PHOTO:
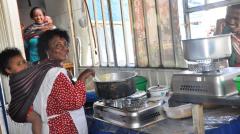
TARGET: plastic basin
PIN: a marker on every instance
(237, 83)
(141, 83)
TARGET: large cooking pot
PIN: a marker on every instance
(115, 85)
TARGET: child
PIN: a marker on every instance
(41, 23)
(31, 33)
(12, 62)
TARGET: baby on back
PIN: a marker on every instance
(12, 63)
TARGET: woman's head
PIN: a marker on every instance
(233, 18)
(37, 15)
(12, 61)
(53, 44)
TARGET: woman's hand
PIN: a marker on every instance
(85, 74)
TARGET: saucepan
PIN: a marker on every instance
(115, 85)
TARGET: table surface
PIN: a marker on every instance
(214, 117)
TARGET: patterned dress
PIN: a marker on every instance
(61, 107)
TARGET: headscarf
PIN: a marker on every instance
(24, 87)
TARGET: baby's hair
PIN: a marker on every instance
(33, 10)
(5, 56)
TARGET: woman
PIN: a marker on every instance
(232, 25)
(48, 87)
(59, 102)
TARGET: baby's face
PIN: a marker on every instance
(48, 20)
(38, 16)
(16, 64)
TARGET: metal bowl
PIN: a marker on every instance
(216, 47)
(115, 85)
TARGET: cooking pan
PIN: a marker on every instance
(115, 85)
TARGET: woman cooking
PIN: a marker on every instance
(48, 87)
(59, 102)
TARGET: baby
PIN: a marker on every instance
(12, 62)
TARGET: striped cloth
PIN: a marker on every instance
(24, 87)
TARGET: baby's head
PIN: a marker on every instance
(12, 61)
(37, 15)
(48, 20)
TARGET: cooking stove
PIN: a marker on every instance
(208, 76)
(134, 111)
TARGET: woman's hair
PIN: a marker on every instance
(5, 56)
(33, 10)
(46, 37)
(237, 6)
(232, 7)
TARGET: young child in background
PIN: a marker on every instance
(12, 62)
(32, 32)
(41, 23)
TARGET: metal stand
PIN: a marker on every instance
(3, 109)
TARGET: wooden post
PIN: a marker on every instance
(198, 119)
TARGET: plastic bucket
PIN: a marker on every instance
(237, 83)
(141, 83)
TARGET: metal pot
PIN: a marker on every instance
(115, 85)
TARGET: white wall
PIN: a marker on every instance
(81, 29)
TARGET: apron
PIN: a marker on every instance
(40, 103)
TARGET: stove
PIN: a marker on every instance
(208, 75)
(134, 111)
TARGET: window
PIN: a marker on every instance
(111, 22)
(199, 17)
(133, 33)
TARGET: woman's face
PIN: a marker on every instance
(58, 49)
(38, 16)
(233, 20)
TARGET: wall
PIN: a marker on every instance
(81, 30)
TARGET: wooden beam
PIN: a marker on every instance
(153, 44)
(179, 58)
(198, 119)
(139, 32)
(165, 33)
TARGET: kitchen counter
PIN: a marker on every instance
(214, 118)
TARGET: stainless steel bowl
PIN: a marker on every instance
(216, 47)
(115, 85)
